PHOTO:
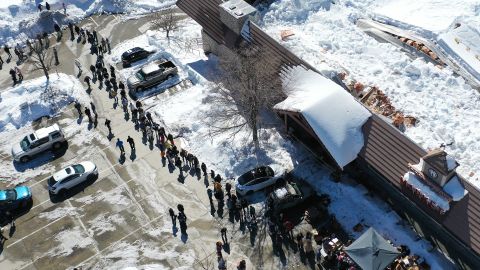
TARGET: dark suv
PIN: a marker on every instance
(133, 55)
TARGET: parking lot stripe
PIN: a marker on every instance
(121, 239)
(85, 229)
(94, 21)
(32, 233)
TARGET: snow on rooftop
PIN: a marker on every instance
(427, 191)
(451, 163)
(432, 15)
(455, 188)
(446, 106)
(463, 44)
(335, 116)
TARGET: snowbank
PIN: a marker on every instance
(23, 103)
(21, 17)
(334, 115)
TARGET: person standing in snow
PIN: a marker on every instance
(204, 168)
(39, 7)
(173, 217)
(87, 81)
(108, 46)
(1, 62)
(228, 188)
(107, 124)
(242, 265)
(95, 36)
(14, 76)
(88, 114)
(223, 232)
(47, 5)
(119, 144)
(182, 219)
(19, 74)
(64, 9)
(131, 142)
(219, 246)
(79, 108)
(7, 50)
(72, 35)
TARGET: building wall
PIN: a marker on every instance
(424, 225)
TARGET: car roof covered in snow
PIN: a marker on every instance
(150, 68)
(333, 114)
(44, 132)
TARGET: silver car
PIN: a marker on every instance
(71, 176)
(41, 140)
(151, 75)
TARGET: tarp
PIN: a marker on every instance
(371, 251)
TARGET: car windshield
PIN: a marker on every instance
(263, 171)
(140, 75)
(25, 143)
(11, 194)
(78, 168)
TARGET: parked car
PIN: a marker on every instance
(41, 140)
(151, 75)
(290, 194)
(11, 199)
(256, 179)
(71, 176)
(134, 55)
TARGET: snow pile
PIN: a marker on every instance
(21, 104)
(19, 18)
(334, 115)
(446, 107)
(427, 191)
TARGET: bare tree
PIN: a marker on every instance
(41, 58)
(165, 20)
(247, 86)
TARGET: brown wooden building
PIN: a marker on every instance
(386, 154)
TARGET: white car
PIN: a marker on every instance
(71, 176)
(256, 179)
(41, 140)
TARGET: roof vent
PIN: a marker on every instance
(232, 7)
(238, 13)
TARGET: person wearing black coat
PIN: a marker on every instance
(14, 76)
(204, 168)
(47, 5)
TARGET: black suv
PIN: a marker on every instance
(133, 55)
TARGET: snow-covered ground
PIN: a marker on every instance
(184, 112)
(28, 101)
(20, 18)
(447, 108)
